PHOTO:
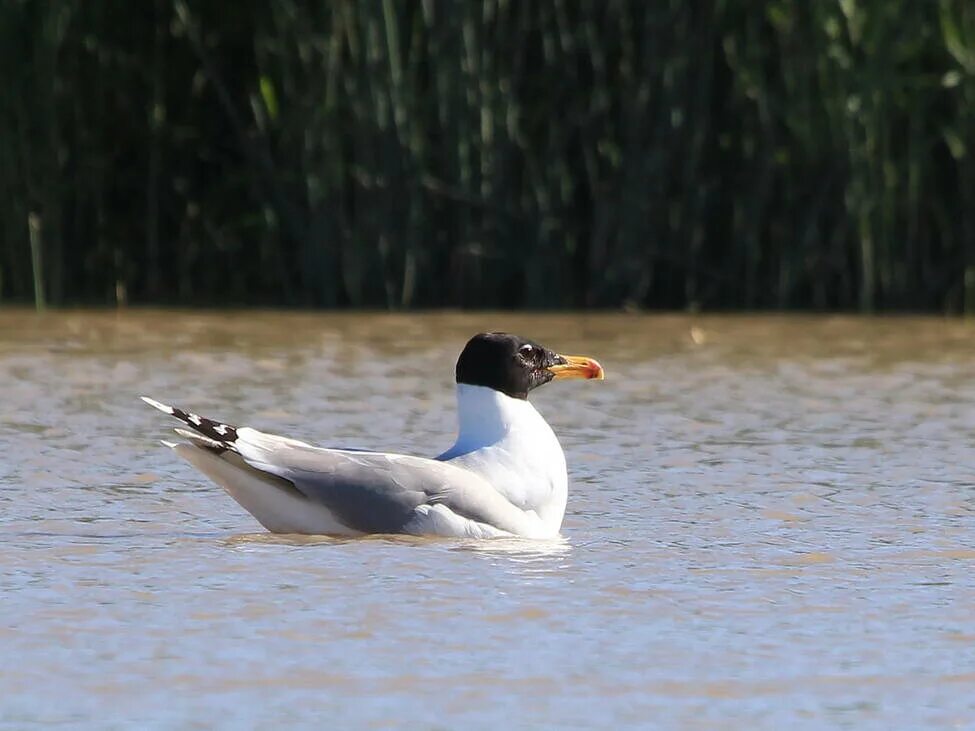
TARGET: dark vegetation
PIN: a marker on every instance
(496, 153)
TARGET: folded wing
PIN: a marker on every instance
(377, 492)
(292, 487)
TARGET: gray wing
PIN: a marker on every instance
(368, 492)
(374, 492)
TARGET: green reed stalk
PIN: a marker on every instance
(37, 260)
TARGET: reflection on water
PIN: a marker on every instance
(524, 559)
(281, 539)
(770, 524)
(520, 550)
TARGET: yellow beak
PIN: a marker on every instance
(577, 366)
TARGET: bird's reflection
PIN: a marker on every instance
(525, 558)
(519, 549)
(298, 539)
(541, 554)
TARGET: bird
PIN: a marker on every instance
(504, 476)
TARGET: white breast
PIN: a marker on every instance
(506, 441)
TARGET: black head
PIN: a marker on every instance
(506, 363)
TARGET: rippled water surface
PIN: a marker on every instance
(771, 525)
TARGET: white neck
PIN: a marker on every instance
(486, 416)
(509, 443)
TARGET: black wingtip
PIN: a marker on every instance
(214, 430)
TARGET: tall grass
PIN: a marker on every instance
(558, 153)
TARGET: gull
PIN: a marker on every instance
(505, 476)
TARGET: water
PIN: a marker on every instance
(771, 524)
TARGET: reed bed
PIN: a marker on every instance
(545, 154)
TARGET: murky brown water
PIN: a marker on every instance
(771, 524)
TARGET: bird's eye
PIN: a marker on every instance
(527, 349)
